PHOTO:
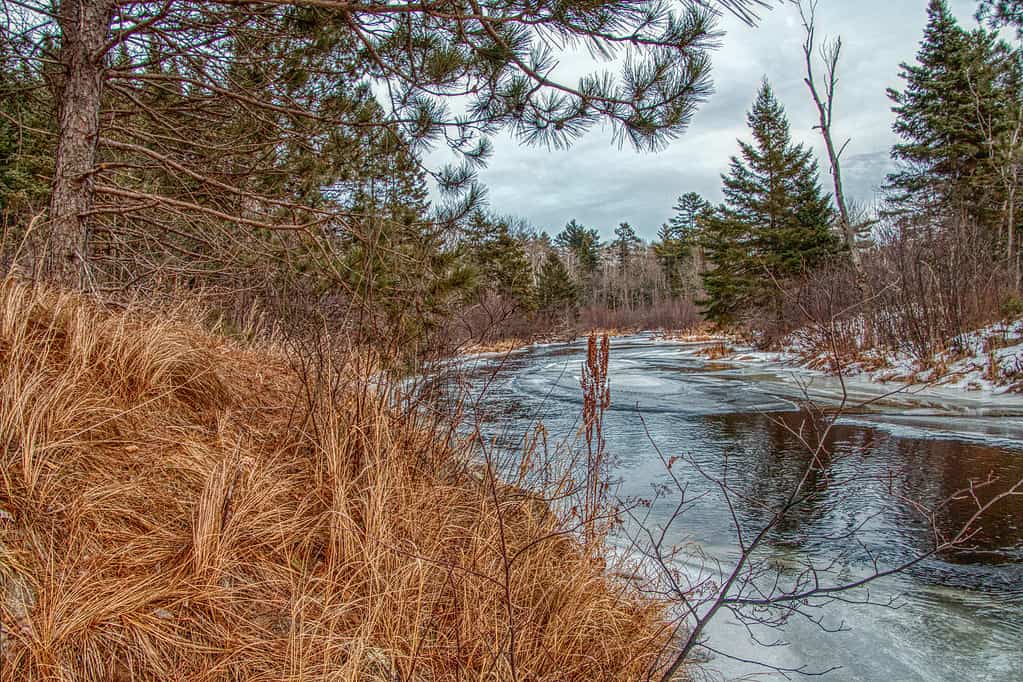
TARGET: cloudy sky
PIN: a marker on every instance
(601, 185)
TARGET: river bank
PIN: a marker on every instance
(986, 361)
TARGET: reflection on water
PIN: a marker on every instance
(962, 613)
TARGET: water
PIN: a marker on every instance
(959, 615)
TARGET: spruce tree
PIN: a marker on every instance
(946, 114)
(556, 293)
(999, 13)
(775, 222)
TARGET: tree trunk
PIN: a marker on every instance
(825, 102)
(84, 26)
(1013, 249)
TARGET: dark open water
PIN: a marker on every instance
(961, 614)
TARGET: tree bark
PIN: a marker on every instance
(84, 27)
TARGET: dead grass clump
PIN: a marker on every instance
(174, 506)
(500, 346)
(716, 351)
(703, 332)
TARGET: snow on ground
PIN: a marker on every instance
(989, 360)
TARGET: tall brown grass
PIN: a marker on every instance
(175, 505)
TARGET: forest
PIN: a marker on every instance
(247, 151)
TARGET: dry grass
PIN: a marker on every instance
(702, 332)
(499, 346)
(613, 331)
(716, 351)
(178, 507)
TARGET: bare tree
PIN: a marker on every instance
(1002, 132)
(823, 96)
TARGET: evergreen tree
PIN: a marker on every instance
(556, 292)
(624, 244)
(999, 13)
(584, 244)
(677, 240)
(26, 150)
(775, 222)
(621, 291)
(500, 262)
(946, 114)
(688, 211)
(673, 256)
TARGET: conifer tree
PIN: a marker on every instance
(677, 241)
(625, 244)
(620, 291)
(999, 13)
(688, 211)
(556, 293)
(25, 151)
(672, 254)
(583, 244)
(951, 104)
(500, 261)
(775, 222)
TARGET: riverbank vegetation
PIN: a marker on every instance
(940, 260)
(185, 503)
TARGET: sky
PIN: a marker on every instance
(600, 185)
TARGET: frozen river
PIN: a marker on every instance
(960, 615)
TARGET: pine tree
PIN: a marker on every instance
(775, 222)
(677, 241)
(620, 290)
(25, 148)
(500, 261)
(625, 244)
(688, 211)
(584, 244)
(673, 255)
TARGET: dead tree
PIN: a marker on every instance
(824, 100)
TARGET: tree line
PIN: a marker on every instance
(277, 146)
(276, 149)
(940, 254)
